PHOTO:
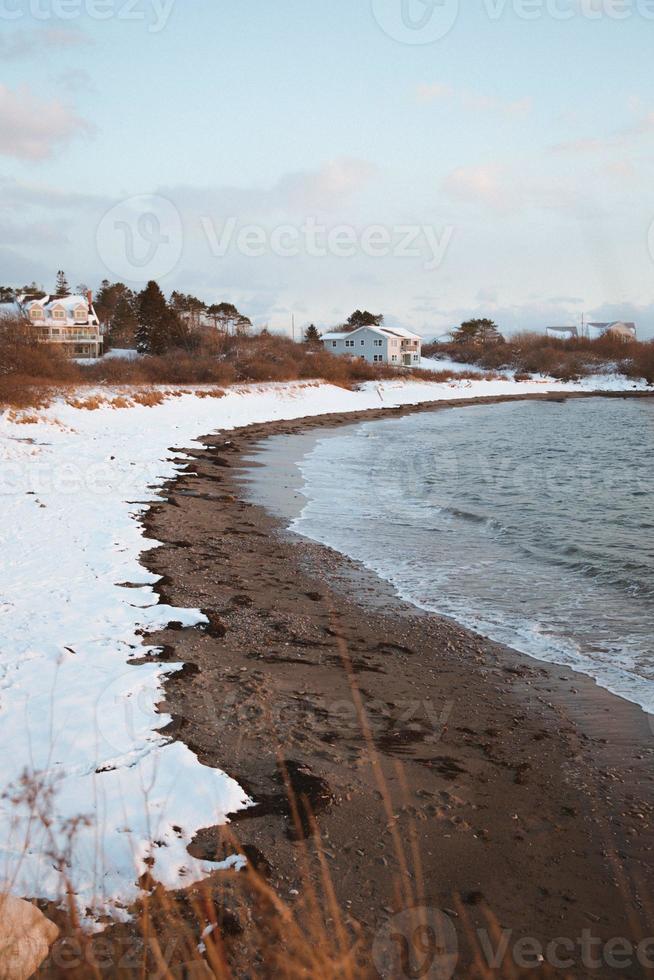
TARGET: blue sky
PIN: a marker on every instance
(489, 158)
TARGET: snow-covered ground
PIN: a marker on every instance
(72, 707)
(447, 364)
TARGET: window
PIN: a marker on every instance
(394, 357)
(36, 313)
(362, 343)
(334, 343)
(58, 315)
(378, 357)
(349, 343)
(81, 315)
(379, 343)
(416, 357)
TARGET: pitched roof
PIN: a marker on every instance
(69, 303)
(382, 331)
(10, 309)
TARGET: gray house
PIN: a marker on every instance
(377, 345)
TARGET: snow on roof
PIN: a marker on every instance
(602, 328)
(401, 332)
(10, 309)
(382, 331)
(69, 302)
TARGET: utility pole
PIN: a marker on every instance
(293, 327)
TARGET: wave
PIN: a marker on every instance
(565, 574)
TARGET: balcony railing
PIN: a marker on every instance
(70, 337)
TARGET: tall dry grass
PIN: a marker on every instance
(32, 373)
(567, 360)
(235, 925)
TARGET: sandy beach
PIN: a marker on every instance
(484, 784)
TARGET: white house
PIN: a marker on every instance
(67, 320)
(618, 328)
(562, 333)
(377, 345)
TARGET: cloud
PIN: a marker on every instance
(482, 185)
(76, 80)
(19, 270)
(329, 188)
(18, 195)
(20, 45)
(37, 233)
(473, 101)
(437, 90)
(504, 190)
(618, 139)
(31, 129)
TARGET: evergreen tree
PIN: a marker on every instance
(227, 319)
(479, 332)
(362, 318)
(190, 307)
(153, 316)
(115, 305)
(61, 287)
(124, 323)
(312, 335)
(159, 326)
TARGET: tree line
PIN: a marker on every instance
(145, 319)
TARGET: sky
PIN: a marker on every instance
(430, 160)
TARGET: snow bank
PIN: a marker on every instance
(72, 707)
(447, 364)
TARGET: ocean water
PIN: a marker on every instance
(530, 522)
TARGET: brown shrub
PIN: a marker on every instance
(640, 362)
(529, 353)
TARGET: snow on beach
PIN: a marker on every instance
(72, 707)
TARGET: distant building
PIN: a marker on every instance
(562, 333)
(618, 328)
(70, 321)
(377, 345)
(197, 319)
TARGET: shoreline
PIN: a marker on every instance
(273, 479)
(534, 782)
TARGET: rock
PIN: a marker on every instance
(25, 938)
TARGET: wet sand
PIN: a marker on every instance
(484, 783)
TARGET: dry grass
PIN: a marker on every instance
(527, 354)
(235, 925)
(32, 374)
